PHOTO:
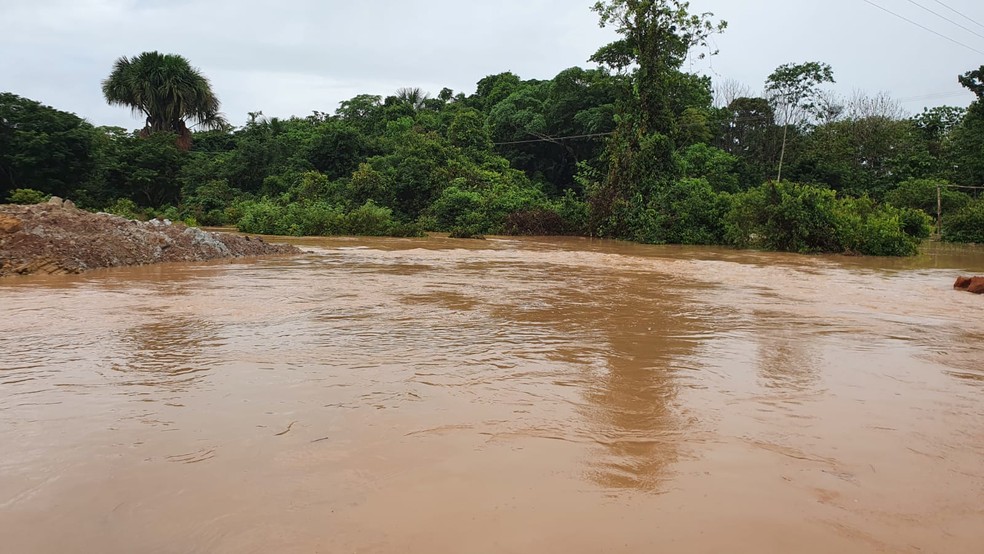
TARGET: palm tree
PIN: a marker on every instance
(413, 97)
(168, 91)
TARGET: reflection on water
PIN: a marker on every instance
(436, 395)
(631, 406)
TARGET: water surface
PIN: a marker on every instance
(530, 395)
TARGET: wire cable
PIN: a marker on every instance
(921, 26)
(958, 13)
(963, 187)
(934, 96)
(553, 139)
(969, 30)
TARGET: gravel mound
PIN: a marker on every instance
(57, 238)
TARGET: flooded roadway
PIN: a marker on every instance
(533, 395)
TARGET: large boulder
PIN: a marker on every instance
(970, 284)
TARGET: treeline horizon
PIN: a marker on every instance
(635, 149)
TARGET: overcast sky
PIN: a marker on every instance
(291, 57)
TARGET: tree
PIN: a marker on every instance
(793, 90)
(968, 137)
(748, 131)
(493, 89)
(729, 90)
(147, 169)
(868, 155)
(43, 148)
(168, 91)
(974, 82)
(414, 97)
(656, 38)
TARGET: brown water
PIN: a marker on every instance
(533, 395)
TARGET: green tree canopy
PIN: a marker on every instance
(167, 90)
(793, 90)
(43, 148)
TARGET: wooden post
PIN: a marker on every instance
(939, 209)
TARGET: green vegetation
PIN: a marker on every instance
(165, 89)
(27, 196)
(635, 149)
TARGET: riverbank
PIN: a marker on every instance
(57, 238)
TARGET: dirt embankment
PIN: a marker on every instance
(58, 238)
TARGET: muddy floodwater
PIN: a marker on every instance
(529, 395)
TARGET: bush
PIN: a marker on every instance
(456, 207)
(685, 211)
(501, 201)
(804, 218)
(124, 207)
(575, 212)
(916, 223)
(369, 220)
(309, 218)
(209, 203)
(784, 216)
(920, 194)
(27, 196)
(535, 222)
(967, 225)
(868, 229)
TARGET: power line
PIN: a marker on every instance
(933, 96)
(963, 187)
(958, 13)
(921, 26)
(553, 139)
(969, 30)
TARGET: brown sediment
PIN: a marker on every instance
(56, 238)
(508, 395)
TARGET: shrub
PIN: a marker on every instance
(694, 212)
(784, 216)
(967, 225)
(866, 228)
(262, 217)
(456, 207)
(310, 218)
(502, 200)
(920, 194)
(575, 212)
(537, 221)
(465, 233)
(27, 196)
(124, 207)
(805, 218)
(369, 220)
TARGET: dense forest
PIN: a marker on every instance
(634, 148)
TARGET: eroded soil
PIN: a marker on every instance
(57, 238)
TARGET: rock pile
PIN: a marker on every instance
(58, 238)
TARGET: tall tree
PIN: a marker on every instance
(657, 36)
(793, 90)
(168, 91)
(968, 137)
(414, 97)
